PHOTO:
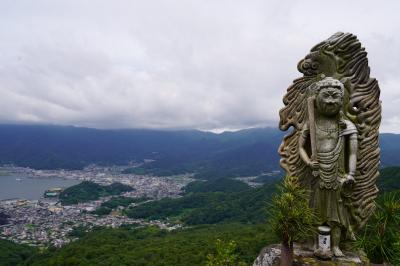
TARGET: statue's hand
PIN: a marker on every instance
(349, 180)
(314, 165)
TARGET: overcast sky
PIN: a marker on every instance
(177, 64)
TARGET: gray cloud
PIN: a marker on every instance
(176, 64)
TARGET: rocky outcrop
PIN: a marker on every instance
(270, 256)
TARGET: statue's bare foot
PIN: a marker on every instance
(337, 252)
(323, 254)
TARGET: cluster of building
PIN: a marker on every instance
(43, 222)
(144, 185)
(46, 222)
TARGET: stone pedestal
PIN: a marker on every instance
(270, 256)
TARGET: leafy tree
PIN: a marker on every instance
(291, 217)
(380, 238)
(78, 231)
(225, 255)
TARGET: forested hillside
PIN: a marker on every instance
(247, 152)
(152, 246)
(209, 155)
(12, 254)
(87, 191)
(206, 207)
(216, 209)
(389, 179)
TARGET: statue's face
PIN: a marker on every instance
(329, 101)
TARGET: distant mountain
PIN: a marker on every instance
(241, 153)
(54, 147)
(390, 149)
(389, 179)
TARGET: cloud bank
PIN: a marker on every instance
(177, 64)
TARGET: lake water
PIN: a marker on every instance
(13, 186)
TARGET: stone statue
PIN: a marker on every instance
(335, 113)
(328, 131)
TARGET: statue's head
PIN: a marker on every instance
(329, 96)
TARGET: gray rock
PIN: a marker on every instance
(270, 256)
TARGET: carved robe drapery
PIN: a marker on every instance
(328, 196)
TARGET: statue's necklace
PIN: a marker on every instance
(330, 131)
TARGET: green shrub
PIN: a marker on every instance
(380, 238)
(225, 255)
(291, 217)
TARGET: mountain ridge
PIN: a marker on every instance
(245, 152)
